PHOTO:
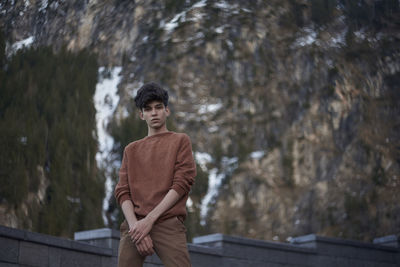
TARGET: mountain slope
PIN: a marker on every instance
(295, 102)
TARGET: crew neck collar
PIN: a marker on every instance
(159, 134)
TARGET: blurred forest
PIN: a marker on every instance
(48, 174)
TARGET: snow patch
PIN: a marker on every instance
(222, 5)
(309, 37)
(202, 159)
(340, 39)
(74, 200)
(134, 90)
(200, 4)
(230, 44)
(43, 5)
(21, 44)
(213, 129)
(215, 178)
(209, 108)
(220, 29)
(360, 34)
(257, 154)
(230, 7)
(23, 140)
(214, 181)
(172, 24)
(106, 100)
(181, 17)
(189, 205)
(54, 5)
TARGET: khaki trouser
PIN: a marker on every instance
(169, 241)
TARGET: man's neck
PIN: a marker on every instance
(152, 131)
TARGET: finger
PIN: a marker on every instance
(132, 231)
(132, 236)
(151, 250)
(149, 244)
(146, 244)
(149, 240)
(141, 249)
(146, 241)
(148, 250)
(135, 237)
(140, 238)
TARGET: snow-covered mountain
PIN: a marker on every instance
(292, 106)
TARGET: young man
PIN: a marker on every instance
(155, 178)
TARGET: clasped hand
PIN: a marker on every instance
(145, 247)
(139, 233)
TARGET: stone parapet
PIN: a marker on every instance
(342, 252)
(99, 247)
(389, 240)
(104, 237)
(24, 248)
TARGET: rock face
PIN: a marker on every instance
(314, 90)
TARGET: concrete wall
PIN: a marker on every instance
(23, 248)
(100, 248)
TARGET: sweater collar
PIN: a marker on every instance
(159, 135)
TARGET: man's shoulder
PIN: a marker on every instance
(181, 136)
(175, 135)
(133, 144)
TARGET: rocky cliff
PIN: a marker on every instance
(292, 106)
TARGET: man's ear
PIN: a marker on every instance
(141, 115)
(167, 110)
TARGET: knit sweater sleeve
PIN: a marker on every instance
(185, 168)
(122, 191)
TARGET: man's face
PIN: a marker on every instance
(155, 114)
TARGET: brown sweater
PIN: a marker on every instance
(151, 167)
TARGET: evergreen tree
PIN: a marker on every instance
(48, 140)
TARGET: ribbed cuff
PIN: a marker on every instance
(178, 189)
(123, 198)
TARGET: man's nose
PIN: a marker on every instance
(153, 111)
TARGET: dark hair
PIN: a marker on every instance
(150, 92)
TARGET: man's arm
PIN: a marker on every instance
(122, 193)
(144, 246)
(128, 210)
(142, 228)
